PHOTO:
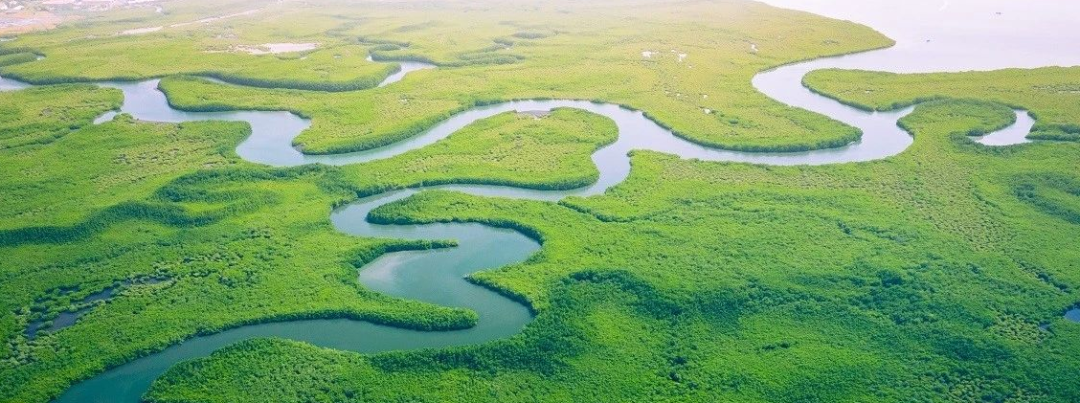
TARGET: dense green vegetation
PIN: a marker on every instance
(137, 160)
(35, 116)
(550, 152)
(350, 70)
(1051, 94)
(16, 58)
(937, 275)
(237, 243)
(488, 52)
(923, 277)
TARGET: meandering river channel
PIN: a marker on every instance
(437, 276)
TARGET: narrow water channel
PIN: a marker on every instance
(437, 276)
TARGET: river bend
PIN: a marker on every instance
(438, 276)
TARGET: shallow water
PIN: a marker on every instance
(1012, 135)
(276, 48)
(436, 276)
(66, 318)
(405, 69)
(958, 35)
(139, 31)
(1073, 315)
(432, 276)
(12, 85)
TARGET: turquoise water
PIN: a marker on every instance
(1073, 315)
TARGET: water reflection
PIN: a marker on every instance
(959, 35)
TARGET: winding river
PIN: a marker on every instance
(410, 275)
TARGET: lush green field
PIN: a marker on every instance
(511, 149)
(923, 277)
(34, 116)
(559, 50)
(1051, 94)
(98, 51)
(238, 243)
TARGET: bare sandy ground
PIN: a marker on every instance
(28, 21)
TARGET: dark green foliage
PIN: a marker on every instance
(378, 55)
(360, 83)
(165, 214)
(1054, 194)
(16, 58)
(533, 34)
(1063, 132)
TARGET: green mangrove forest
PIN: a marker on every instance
(604, 201)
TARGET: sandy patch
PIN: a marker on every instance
(146, 30)
(28, 21)
(535, 114)
(139, 31)
(275, 48)
(212, 19)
